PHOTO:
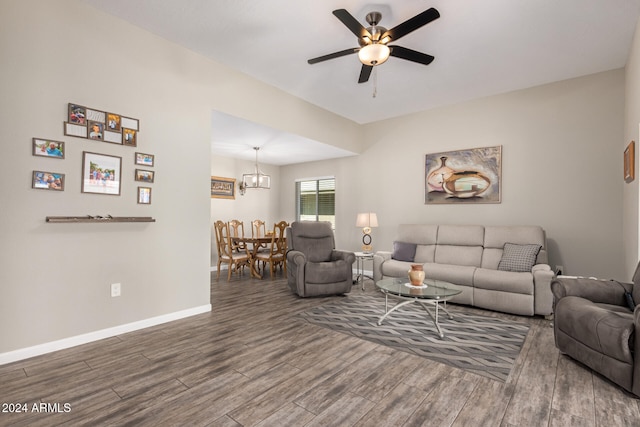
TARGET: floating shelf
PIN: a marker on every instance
(108, 218)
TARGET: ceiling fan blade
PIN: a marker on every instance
(411, 55)
(333, 55)
(412, 24)
(351, 23)
(365, 72)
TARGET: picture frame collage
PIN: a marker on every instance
(101, 173)
(97, 125)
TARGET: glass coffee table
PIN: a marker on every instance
(432, 292)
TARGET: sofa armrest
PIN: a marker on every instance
(595, 290)
(378, 259)
(542, 296)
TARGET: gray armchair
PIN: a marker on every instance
(595, 323)
(314, 266)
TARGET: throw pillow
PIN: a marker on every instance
(519, 258)
(403, 251)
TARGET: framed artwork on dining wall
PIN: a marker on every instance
(470, 176)
(101, 173)
(629, 162)
(223, 188)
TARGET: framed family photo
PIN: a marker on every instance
(144, 159)
(144, 176)
(113, 122)
(96, 130)
(77, 114)
(42, 180)
(101, 173)
(129, 137)
(144, 195)
(48, 148)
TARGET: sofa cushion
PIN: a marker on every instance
(456, 274)
(519, 258)
(460, 255)
(504, 281)
(421, 234)
(403, 251)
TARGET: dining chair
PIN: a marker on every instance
(236, 229)
(226, 252)
(277, 249)
(258, 228)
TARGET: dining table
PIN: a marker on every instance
(256, 243)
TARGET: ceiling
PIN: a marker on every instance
(481, 48)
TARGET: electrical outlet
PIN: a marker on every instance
(115, 289)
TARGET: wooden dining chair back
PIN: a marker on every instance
(226, 252)
(276, 256)
(258, 228)
(236, 229)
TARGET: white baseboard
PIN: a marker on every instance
(37, 350)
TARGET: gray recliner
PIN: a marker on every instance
(597, 323)
(314, 266)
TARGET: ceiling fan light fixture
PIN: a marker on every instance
(374, 54)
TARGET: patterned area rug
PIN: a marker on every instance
(483, 345)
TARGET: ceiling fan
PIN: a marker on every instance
(374, 40)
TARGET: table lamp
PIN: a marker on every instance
(366, 220)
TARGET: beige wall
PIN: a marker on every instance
(561, 170)
(630, 190)
(55, 278)
(561, 155)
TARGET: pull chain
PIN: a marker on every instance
(375, 81)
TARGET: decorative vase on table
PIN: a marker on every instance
(416, 275)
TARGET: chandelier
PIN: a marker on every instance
(257, 179)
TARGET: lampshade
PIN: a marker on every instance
(374, 54)
(367, 219)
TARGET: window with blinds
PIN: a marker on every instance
(316, 200)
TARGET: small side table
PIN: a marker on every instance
(361, 257)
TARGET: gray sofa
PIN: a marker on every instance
(501, 268)
(596, 322)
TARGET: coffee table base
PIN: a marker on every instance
(404, 301)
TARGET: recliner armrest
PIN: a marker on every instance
(598, 291)
(296, 257)
(348, 257)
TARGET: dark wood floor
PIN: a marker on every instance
(251, 362)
